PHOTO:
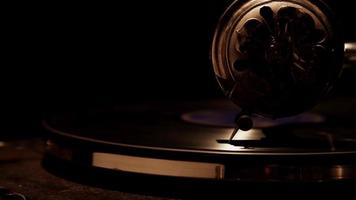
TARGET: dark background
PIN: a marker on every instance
(61, 56)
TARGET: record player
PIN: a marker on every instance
(283, 123)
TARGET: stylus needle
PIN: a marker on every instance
(233, 133)
(243, 122)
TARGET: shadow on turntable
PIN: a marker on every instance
(179, 149)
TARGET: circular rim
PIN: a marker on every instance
(68, 136)
(205, 164)
(238, 9)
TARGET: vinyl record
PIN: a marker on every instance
(190, 140)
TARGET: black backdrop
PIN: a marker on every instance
(60, 56)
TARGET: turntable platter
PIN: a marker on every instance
(156, 139)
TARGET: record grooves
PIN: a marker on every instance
(154, 139)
